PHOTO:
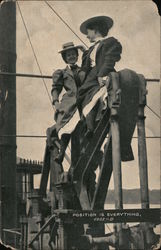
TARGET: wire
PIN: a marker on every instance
(147, 137)
(65, 22)
(152, 80)
(25, 136)
(25, 75)
(28, 35)
(153, 111)
(44, 136)
(108, 228)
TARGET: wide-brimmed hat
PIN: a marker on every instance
(105, 20)
(68, 46)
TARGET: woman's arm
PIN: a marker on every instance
(57, 85)
(111, 53)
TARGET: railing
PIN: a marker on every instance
(50, 77)
(16, 237)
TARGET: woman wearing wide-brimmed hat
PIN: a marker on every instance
(97, 62)
(69, 79)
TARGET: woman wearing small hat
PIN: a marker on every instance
(97, 62)
(67, 114)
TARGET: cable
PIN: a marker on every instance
(148, 137)
(44, 136)
(25, 75)
(28, 35)
(152, 80)
(153, 111)
(108, 228)
(25, 136)
(65, 22)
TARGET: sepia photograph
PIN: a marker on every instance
(80, 125)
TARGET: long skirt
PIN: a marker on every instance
(90, 93)
(67, 114)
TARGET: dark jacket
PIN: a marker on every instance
(107, 54)
(64, 78)
(67, 106)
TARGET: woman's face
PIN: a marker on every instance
(91, 35)
(71, 56)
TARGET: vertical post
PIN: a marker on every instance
(115, 101)
(31, 182)
(24, 232)
(25, 185)
(142, 152)
(35, 198)
(40, 239)
(57, 195)
(8, 117)
(22, 236)
(45, 172)
(116, 155)
(116, 159)
(62, 244)
(55, 174)
(62, 230)
(75, 146)
(142, 155)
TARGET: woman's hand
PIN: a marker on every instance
(103, 81)
(82, 48)
(56, 104)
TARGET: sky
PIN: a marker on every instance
(136, 26)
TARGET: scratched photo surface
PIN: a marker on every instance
(136, 26)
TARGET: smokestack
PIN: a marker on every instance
(7, 116)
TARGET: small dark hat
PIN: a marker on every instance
(105, 20)
(68, 46)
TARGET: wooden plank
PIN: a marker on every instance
(116, 159)
(89, 147)
(142, 151)
(84, 165)
(75, 146)
(45, 172)
(104, 178)
(41, 231)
